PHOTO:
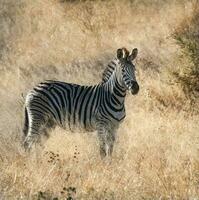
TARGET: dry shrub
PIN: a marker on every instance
(186, 36)
(156, 153)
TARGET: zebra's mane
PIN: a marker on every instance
(109, 70)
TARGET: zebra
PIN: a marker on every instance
(94, 108)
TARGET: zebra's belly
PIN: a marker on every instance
(75, 123)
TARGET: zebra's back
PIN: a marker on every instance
(67, 104)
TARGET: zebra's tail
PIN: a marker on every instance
(26, 123)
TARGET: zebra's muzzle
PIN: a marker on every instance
(135, 88)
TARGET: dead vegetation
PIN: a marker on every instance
(187, 73)
(156, 153)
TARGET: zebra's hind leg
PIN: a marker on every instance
(30, 140)
(36, 123)
(26, 123)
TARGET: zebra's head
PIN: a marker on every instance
(128, 77)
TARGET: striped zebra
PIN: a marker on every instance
(99, 107)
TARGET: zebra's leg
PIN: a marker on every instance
(110, 139)
(30, 140)
(106, 141)
(102, 142)
(36, 121)
(26, 124)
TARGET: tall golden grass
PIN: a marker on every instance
(156, 152)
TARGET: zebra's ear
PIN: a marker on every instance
(134, 54)
(119, 54)
(122, 53)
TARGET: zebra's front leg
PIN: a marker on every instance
(106, 141)
(102, 144)
(110, 142)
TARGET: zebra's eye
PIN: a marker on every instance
(123, 70)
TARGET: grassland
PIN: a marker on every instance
(156, 155)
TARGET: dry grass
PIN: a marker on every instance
(156, 153)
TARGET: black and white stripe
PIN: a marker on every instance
(99, 107)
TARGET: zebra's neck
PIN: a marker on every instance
(115, 89)
(109, 70)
